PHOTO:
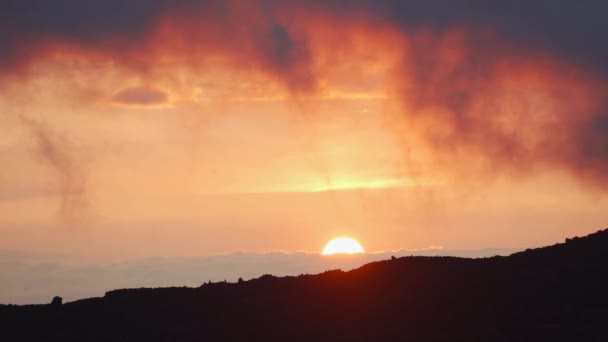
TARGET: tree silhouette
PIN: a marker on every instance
(57, 301)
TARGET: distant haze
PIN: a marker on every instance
(26, 279)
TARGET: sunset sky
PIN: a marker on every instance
(138, 128)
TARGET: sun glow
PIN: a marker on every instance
(342, 245)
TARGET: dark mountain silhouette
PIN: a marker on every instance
(556, 293)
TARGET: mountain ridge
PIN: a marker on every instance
(550, 293)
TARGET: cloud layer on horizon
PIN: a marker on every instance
(35, 279)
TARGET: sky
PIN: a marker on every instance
(157, 128)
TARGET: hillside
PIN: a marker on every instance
(555, 293)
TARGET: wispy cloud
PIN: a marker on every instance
(56, 152)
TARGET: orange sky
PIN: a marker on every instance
(189, 143)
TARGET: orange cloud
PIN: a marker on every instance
(482, 109)
(475, 96)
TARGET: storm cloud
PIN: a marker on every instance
(569, 27)
(512, 86)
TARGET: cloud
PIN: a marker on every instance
(482, 110)
(564, 27)
(272, 35)
(138, 34)
(488, 87)
(140, 96)
(56, 152)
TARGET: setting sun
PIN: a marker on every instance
(342, 245)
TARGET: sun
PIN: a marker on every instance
(342, 245)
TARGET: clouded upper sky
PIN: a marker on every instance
(188, 127)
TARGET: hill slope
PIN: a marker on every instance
(555, 293)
